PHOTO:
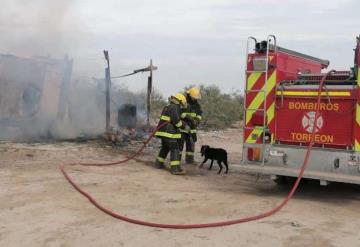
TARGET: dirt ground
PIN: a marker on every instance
(39, 207)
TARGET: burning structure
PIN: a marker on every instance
(40, 99)
(33, 95)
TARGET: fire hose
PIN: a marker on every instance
(203, 225)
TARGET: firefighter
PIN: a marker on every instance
(170, 133)
(191, 115)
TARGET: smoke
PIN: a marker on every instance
(84, 114)
(32, 93)
(85, 111)
(86, 108)
(35, 27)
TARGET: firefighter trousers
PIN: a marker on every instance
(172, 146)
(188, 141)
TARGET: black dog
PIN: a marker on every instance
(218, 154)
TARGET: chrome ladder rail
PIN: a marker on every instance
(245, 94)
(264, 91)
(264, 127)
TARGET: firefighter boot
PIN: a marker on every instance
(174, 170)
(180, 170)
(159, 163)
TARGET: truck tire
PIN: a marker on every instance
(281, 180)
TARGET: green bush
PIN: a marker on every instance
(220, 110)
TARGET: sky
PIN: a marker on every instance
(191, 42)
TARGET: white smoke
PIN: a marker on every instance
(35, 27)
(41, 28)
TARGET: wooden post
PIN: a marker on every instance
(107, 92)
(149, 92)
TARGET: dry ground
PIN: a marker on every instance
(39, 208)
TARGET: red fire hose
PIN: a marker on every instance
(213, 224)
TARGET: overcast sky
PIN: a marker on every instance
(192, 42)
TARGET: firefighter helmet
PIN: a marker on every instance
(194, 92)
(181, 98)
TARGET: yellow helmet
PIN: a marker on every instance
(194, 92)
(181, 98)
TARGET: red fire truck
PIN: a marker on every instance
(281, 92)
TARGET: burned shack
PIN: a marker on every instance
(33, 95)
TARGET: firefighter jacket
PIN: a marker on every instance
(170, 114)
(192, 115)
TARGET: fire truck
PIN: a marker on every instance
(280, 101)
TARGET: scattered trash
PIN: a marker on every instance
(295, 224)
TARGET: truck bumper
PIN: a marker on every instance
(324, 164)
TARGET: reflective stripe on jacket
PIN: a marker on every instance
(170, 114)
